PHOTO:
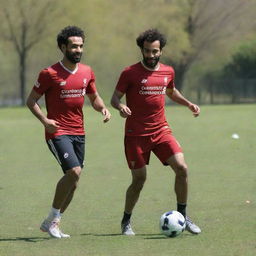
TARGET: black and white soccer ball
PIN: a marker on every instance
(172, 223)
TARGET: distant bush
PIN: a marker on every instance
(243, 63)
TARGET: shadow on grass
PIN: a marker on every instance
(92, 234)
(25, 239)
(146, 236)
(182, 236)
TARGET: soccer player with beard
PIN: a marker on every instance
(64, 85)
(145, 85)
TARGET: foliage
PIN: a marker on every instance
(206, 24)
(234, 81)
(243, 62)
(199, 34)
(25, 32)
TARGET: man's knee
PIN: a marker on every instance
(139, 178)
(74, 173)
(181, 170)
(178, 164)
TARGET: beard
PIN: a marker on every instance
(151, 62)
(73, 57)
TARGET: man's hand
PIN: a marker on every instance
(195, 109)
(125, 111)
(51, 125)
(106, 115)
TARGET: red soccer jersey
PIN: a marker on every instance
(64, 96)
(145, 96)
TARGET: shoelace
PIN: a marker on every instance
(55, 224)
(189, 221)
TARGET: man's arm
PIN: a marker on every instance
(177, 97)
(116, 103)
(50, 125)
(98, 104)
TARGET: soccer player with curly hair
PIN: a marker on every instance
(64, 86)
(145, 85)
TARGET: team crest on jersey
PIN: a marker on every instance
(144, 81)
(85, 80)
(63, 83)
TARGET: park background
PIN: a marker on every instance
(211, 43)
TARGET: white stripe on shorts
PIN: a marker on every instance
(54, 151)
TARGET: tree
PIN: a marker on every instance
(207, 22)
(26, 23)
(243, 63)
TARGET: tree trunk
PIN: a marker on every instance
(22, 75)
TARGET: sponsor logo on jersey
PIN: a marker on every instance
(37, 84)
(72, 93)
(63, 83)
(151, 90)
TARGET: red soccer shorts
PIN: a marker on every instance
(138, 148)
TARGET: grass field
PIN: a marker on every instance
(222, 181)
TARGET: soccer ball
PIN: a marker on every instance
(172, 223)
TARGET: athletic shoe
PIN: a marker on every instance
(192, 227)
(127, 229)
(52, 228)
(64, 235)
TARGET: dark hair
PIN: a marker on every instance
(67, 32)
(151, 35)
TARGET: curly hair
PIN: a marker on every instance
(65, 33)
(151, 35)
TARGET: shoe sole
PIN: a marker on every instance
(46, 231)
(192, 232)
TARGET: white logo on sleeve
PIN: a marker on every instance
(37, 84)
(144, 81)
(66, 155)
(165, 80)
(63, 83)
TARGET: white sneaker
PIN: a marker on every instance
(52, 228)
(64, 235)
(192, 227)
(127, 229)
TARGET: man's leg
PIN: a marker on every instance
(177, 163)
(133, 191)
(132, 196)
(63, 195)
(179, 166)
(68, 200)
(65, 188)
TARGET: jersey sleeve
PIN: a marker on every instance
(123, 82)
(91, 88)
(171, 84)
(43, 82)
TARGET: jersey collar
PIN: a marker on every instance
(68, 70)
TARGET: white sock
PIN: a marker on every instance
(54, 213)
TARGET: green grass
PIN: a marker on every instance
(222, 179)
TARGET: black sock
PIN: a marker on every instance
(182, 209)
(126, 217)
